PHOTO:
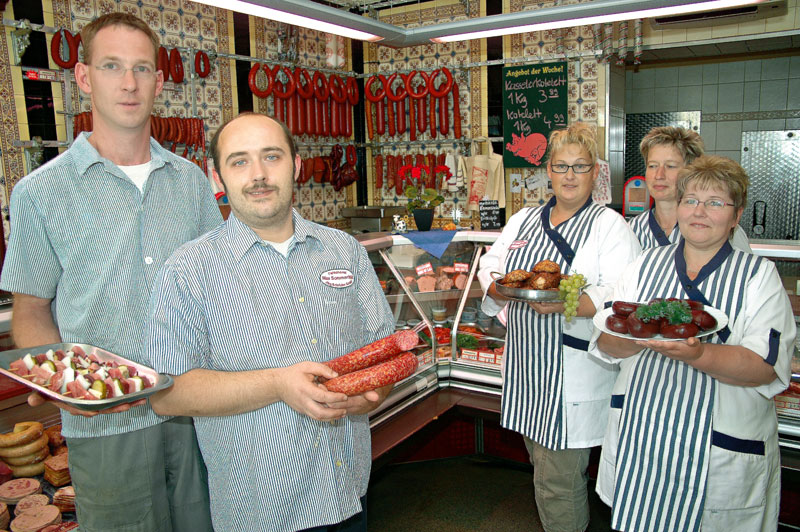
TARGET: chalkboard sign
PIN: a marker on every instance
(490, 214)
(534, 104)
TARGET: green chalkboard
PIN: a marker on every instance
(534, 104)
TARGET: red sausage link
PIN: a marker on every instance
(348, 119)
(444, 126)
(390, 118)
(320, 120)
(425, 85)
(336, 86)
(163, 62)
(352, 91)
(252, 80)
(380, 120)
(445, 87)
(368, 112)
(305, 90)
(380, 94)
(432, 115)
(72, 44)
(456, 112)
(334, 117)
(175, 65)
(311, 118)
(201, 64)
(401, 117)
(326, 121)
(321, 90)
(289, 86)
(422, 115)
(291, 113)
(412, 119)
(389, 372)
(374, 353)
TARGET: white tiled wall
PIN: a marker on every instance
(733, 96)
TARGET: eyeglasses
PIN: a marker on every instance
(710, 204)
(116, 70)
(580, 168)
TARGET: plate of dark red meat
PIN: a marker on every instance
(661, 319)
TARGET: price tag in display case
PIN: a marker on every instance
(422, 269)
(461, 267)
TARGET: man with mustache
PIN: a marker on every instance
(89, 232)
(243, 318)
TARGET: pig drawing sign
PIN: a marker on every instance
(534, 104)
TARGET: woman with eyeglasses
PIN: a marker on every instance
(666, 151)
(692, 438)
(554, 393)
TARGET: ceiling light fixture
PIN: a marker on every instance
(625, 13)
(327, 19)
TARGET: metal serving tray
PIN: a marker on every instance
(160, 381)
(526, 294)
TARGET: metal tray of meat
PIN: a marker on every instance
(525, 294)
(160, 381)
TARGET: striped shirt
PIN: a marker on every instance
(230, 302)
(83, 235)
(650, 235)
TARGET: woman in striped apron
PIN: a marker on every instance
(554, 393)
(692, 438)
(666, 151)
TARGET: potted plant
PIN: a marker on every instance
(421, 199)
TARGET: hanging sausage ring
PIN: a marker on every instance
(336, 86)
(251, 80)
(445, 87)
(320, 83)
(401, 93)
(289, 82)
(425, 85)
(352, 91)
(305, 91)
(379, 95)
(72, 44)
(202, 66)
(175, 65)
(163, 62)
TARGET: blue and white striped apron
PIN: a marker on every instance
(665, 427)
(650, 234)
(532, 401)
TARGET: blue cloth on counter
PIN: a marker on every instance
(434, 242)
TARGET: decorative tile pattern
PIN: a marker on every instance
(431, 56)
(12, 159)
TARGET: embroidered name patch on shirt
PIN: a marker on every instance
(516, 244)
(337, 278)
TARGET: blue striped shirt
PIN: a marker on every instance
(230, 302)
(84, 235)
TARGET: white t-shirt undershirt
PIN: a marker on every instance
(281, 247)
(138, 173)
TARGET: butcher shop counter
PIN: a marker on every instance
(450, 296)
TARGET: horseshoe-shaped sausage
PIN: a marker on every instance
(201, 64)
(336, 86)
(72, 44)
(307, 90)
(320, 83)
(175, 66)
(289, 87)
(445, 87)
(251, 80)
(163, 62)
(380, 94)
(425, 85)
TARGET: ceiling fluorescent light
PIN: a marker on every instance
(316, 20)
(526, 24)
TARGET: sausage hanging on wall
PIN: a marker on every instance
(352, 101)
(418, 98)
(441, 95)
(202, 65)
(456, 111)
(175, 66)
(252, 80)
(73, 41)
(163, 62)
(412, 119)
(379, 172)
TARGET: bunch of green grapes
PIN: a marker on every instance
(570, 290)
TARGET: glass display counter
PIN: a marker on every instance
(466, 352)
